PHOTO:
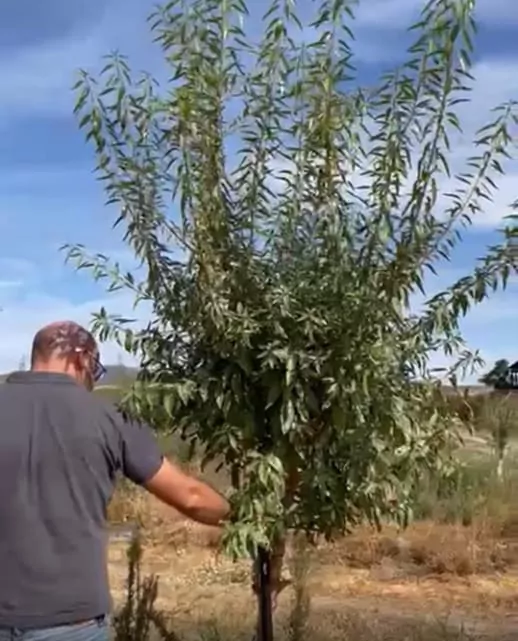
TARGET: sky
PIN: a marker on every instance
(49, 195)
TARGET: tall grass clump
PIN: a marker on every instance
(138, 619)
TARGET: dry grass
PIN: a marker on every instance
(202, 593)
(427, 548)
(434, 581)
(130, 504)
(421, 584)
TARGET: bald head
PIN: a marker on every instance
(61, 341)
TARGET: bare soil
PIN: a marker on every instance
(368, 586)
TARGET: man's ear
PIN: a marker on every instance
(81, 362)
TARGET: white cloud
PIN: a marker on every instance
(39, 79)
(11, 284)
(387, 13)
(27, 303)
(391, 14)
(381, 27)
(17, 266)
(496, 82)
(487, 328)
(21, 319)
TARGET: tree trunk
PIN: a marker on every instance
(500, 465)
(267, 579)
(264, 596)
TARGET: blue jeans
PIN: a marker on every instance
(96, 630)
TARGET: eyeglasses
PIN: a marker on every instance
(98, 370)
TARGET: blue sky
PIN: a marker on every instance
(49, 196)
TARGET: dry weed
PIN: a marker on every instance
(211, 600)
(341, 626)
(429, 567)
(426, 547)
(129, 504)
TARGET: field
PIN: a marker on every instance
(453, 574)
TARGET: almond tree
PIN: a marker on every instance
(285, 217)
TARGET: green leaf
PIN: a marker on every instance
(280, 279)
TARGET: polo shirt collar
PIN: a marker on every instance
(40, 377)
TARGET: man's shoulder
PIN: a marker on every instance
(106, 409)
(115, 414)
(59, 392)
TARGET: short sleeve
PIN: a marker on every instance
(139, 457)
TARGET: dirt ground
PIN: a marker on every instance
(362, 588)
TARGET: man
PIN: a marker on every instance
(60, 450)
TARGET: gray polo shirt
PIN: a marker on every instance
(60, 450)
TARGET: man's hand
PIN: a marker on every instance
(188, 495)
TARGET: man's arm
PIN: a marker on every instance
(186, 494)
(138, 456)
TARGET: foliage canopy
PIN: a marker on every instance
(285, 217)
(496, 374)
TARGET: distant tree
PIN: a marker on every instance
(496, 373)
(22, 365)
(124, 378)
